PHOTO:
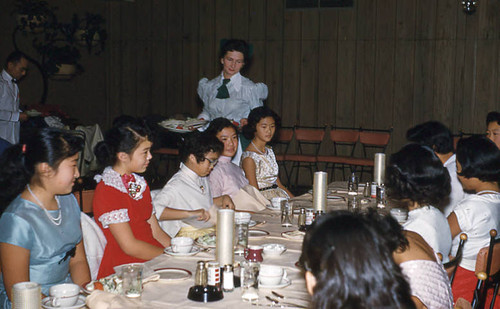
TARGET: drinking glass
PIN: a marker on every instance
(249, 281)
(353, 184)
(286, 214)
(132, 281)
(241, 233)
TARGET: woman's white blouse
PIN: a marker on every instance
(244, 95)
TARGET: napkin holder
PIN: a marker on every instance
(205, 294)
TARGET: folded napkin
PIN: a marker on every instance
(249, 198)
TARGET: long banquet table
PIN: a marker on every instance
(174, 294)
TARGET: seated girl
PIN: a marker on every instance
(183, 205)
(258, 161)
(416, 177)
(227, 177)
(122, 201)
(478, 169)
(40, 234)
(348, 262)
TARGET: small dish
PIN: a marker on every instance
(173, 274)
(284, 283)
(255, 234)
(46, 303)
(194, 250)
(294, 235)
(206, 241)
(273, 250)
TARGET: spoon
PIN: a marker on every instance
(277, 302)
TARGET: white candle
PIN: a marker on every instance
(319, 190)
(224, 239)
(379, 169)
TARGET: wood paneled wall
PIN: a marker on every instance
(380, 64)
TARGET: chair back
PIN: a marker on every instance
(374, 140)
(487, 271)
(451, 266)
(309, 136)
(346, 137)
(84, 198)
(280, 148)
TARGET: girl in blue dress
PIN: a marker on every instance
(40, 234)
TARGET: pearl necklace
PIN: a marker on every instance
(258, 150)
(58, 219)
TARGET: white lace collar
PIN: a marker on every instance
(113, 179)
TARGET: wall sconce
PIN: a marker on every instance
(470, 6)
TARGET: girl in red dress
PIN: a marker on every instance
(122, 200)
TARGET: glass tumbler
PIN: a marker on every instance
(249, 281)
(353, 184)
(241, 235)
(286, 214)
(132, 281)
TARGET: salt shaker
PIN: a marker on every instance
(367, 190)
(228, 279)
(201, 274)
(301, 221)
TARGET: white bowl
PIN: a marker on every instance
(182, 244)
(271, 250)
(271, 275)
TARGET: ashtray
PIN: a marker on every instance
(205, 293)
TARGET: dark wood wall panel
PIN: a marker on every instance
(379, 64)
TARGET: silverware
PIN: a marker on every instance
(277, 302)
(288, 297)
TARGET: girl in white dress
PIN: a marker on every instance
(258, 161)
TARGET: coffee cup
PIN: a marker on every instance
(182, 244)
(64, 295)
(271, 275)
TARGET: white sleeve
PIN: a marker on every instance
(7, 104)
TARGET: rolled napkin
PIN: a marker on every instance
(379, 168)
(224, 237)
(320, 190)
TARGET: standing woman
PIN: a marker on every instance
(231, 95)
(40, 234)
(258, 161)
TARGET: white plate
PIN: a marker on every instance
(284, 283)
(173, 274)
(33, 113)
(194, 250)
(201, 241)
(334, 197)
(79, 303)
(294, 235)
(252, 223)
(180, 130)
(254, 234)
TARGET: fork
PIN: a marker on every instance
(280, 303)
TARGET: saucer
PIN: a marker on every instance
(194, 250)
(284, 283)
(79, 303)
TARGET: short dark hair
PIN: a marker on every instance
(417, 174)
(219, 124)
(15, 57)
(125, 137)
(199, 144)
(350, 255)
(479, 157)
(432, 134)
(493, 117)
(256, 115)
(235, 45)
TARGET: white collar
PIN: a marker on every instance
(6, 76)
(190, 173)
(450, 160)
(235, 80)
(113, 179)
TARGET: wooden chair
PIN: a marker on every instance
(280, 148)
(487, 272)
(345, 138)
(84, 198)
(167, 155)
(451, 266)
(372, 140)
(309, 141)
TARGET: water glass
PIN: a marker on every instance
(286, 214)
(249, 281)
(241, 233)
(132, 280)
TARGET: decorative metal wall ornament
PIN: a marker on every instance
(470, 6)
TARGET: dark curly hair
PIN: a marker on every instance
(125, 136)
(256, 115)
(480, 158)
(416, 173)
(432, 134)
(18, 162)
(235, 45)
(350, 255)
(493, 117)
(199, 144)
